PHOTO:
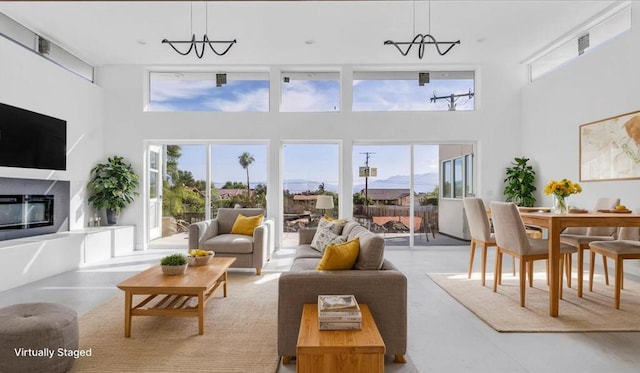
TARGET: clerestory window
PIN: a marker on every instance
(413, 91)
(310, 91)
(612, 22)
(209, 91)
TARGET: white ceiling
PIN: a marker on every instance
(278, 32)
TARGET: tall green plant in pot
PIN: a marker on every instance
(519, 182)
(114, 187)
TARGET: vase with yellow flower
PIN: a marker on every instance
(561, 190)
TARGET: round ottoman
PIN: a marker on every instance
(34, 336)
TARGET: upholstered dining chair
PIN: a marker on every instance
(480, 230)
(512, 239)
(627, 246)
(580, 237)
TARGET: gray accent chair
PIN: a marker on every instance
(626, 246)
(215, 235)
(512, 239)
(580, 237)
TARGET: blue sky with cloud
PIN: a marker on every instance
(311, 96)
(203, 95)
(407, 95)
(306, 96)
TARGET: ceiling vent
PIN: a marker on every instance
(423, 78)
(583, 43)
(44, 47)
(221, 79)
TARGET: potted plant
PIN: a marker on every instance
(175, 264)
(114, 186)
(519, 186)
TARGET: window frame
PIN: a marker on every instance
(310, 76)
(413, 75)
(458, 188)
(458, 177)
(447, 177)
(612, 22)
(468, 175)
(262, 76)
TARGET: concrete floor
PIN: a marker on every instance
(443, 335)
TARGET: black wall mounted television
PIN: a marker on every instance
(32, 140)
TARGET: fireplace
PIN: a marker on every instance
(33, 207)
(26, 211)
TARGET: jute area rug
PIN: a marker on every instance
(594, 312)
(240, 334)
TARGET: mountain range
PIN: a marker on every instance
(424, 183)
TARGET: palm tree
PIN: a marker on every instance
(245, 160)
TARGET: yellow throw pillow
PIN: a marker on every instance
(246, 224)
(340, 256)
(330, 219)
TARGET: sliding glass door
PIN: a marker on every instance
(190, 182)
(310, 170)
(184, 186)
(426, 185)
(395, 191)
(238, 176)
(154, 192)
(382, 190)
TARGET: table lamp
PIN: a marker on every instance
(325, 203)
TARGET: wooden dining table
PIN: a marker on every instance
(555, 223)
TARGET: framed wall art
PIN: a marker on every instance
(610, 148)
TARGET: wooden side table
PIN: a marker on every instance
(332, 351)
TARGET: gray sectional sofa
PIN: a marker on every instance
(374, 281)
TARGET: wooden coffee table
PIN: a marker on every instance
(174, 293)
(333, 351)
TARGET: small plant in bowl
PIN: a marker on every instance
(198, 257)
(175, 264)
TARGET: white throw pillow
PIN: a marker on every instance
(324, 238)
(334, 225)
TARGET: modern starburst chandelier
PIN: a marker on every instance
(422, 39)
(194, 44)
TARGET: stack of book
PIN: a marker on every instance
(339, 312)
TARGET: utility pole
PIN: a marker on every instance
(451, 98)
(367, 173)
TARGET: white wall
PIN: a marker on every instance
(495, 122)
(599, 84)
(33, 83)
